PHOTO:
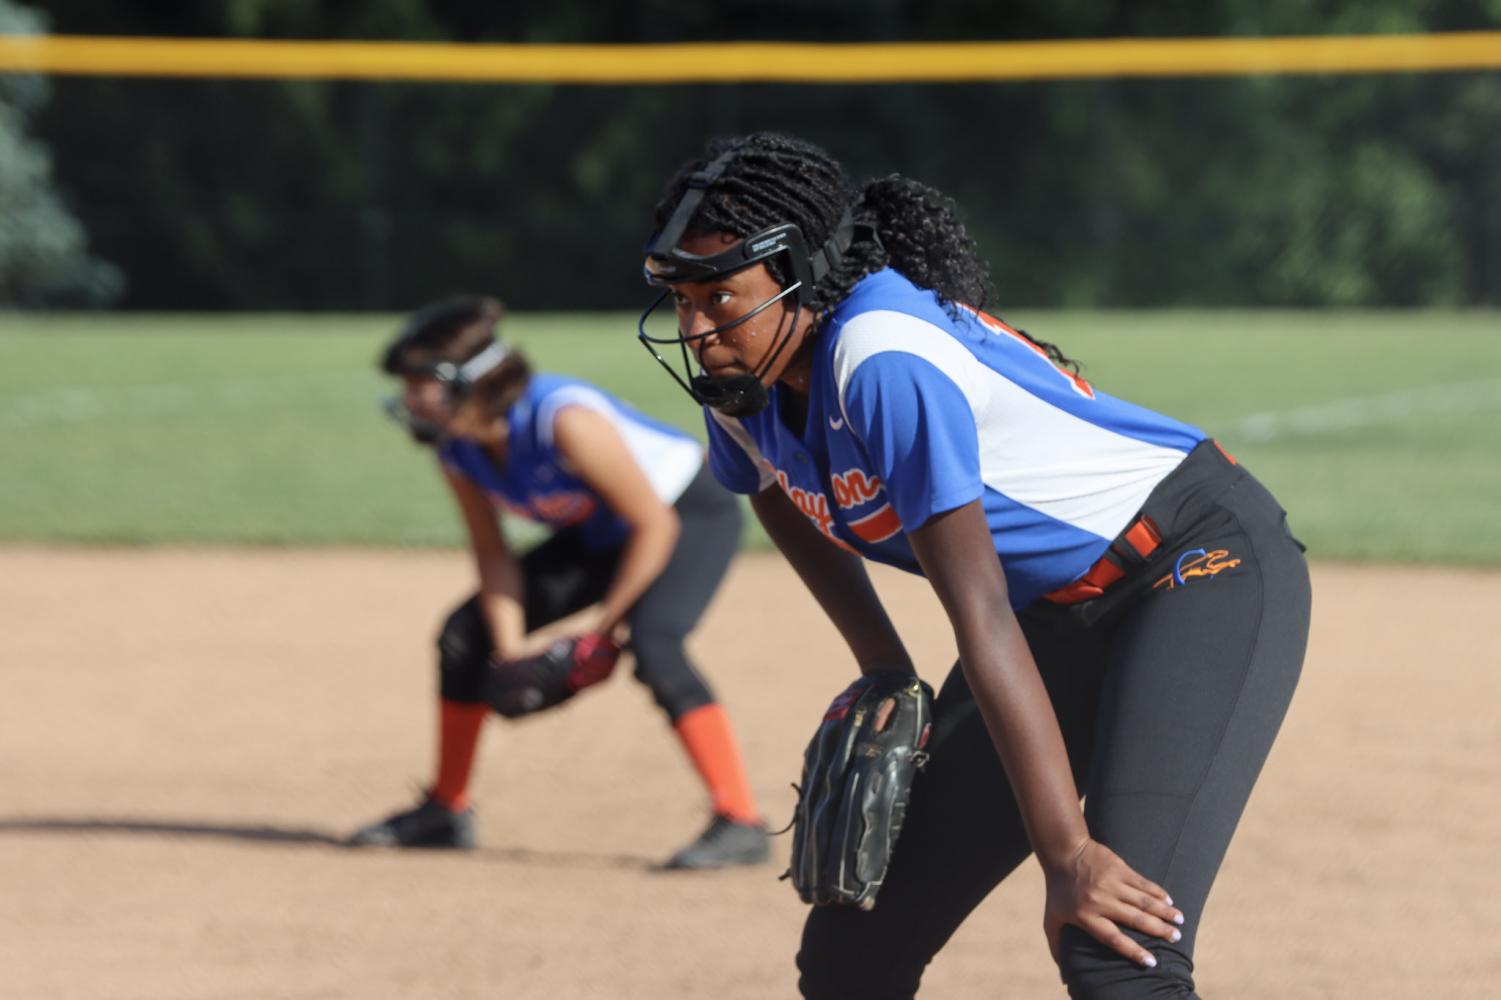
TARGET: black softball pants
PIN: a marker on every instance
(1169, 695)
(563, 576)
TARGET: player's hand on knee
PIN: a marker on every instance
(1100, 893)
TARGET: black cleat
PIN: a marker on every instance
(430, 824)
(726, 842)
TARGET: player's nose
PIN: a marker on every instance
(418, 401)
(699, 325)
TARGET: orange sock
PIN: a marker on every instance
(710, 741)
(459, 726)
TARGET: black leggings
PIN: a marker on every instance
(563, 576)
(1168, 695)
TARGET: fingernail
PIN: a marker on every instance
(1177, 936)
(1169, 901)
(1149, 962)
(1178, 919)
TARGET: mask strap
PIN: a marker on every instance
(460, 377)
(847, 233)
(698, 186)
(483, 363)
(831, 254)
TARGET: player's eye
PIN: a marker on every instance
(719, 298)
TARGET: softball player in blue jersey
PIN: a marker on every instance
(1130, 609)
(640, 532)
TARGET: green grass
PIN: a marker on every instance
(264, 429)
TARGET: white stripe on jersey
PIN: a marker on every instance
(1031, 451)
(737, 432)
(669, 462)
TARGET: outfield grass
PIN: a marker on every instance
(1378, 431)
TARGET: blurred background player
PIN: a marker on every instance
(1129, 608)
(640, 529)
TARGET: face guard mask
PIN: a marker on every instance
(457, 379)
(667, 265)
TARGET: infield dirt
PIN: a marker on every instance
(186, 734)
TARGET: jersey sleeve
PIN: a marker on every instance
(733, 456)
(919, 432)
(559, 399)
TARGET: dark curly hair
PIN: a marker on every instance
(773, 179)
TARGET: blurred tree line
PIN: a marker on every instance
(1380, 190)
(44, 256)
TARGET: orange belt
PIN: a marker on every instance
(1141, 538)
(1131, 548)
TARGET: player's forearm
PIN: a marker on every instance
(502, 588)
(1019, 716)
(838, 582)
(957, 554)
(502, 595)
(645, 556)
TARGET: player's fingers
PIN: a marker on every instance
(1108, 934)
(1156, 906)
(1139, 881)
(1139, 919)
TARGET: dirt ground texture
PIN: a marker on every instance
(185, 734)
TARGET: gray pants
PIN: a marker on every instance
(563, 575)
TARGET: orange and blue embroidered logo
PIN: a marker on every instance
(856, 488)
(815, 506)
(1196, 563)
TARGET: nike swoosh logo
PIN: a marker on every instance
(836, 424)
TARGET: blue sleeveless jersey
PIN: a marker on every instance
(536, 482)
(913, 412)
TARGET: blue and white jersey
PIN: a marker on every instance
(913, 412)
(536, 482)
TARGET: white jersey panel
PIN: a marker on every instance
(1034, 453)
(670, 461)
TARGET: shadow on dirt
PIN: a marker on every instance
(261, 833)
(168, 828)
(567, 859)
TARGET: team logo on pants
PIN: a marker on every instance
(1196, 563)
